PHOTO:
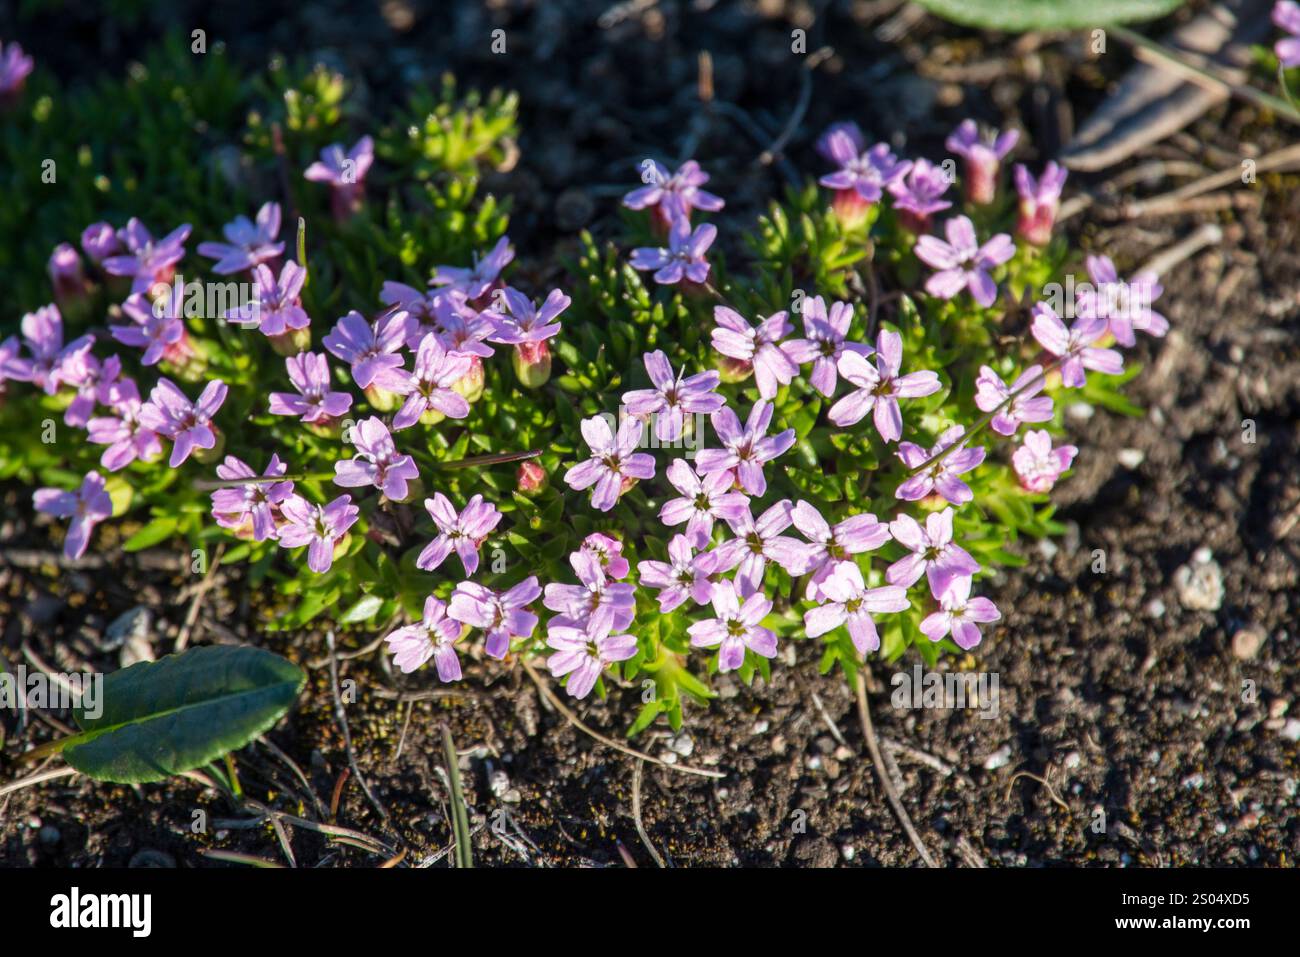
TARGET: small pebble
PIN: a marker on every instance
(760, 727)
(682, 744)
(1291, 730)
(998, 759)
(1247, 642)
(1131, 458)
(1155, 608)
(1200, 584)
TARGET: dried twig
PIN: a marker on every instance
(636, 813)
(192, 613)
(342, 718)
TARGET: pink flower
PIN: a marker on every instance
(684, 575)
(315, 403)
(824, 343)
(684, 257)
(857, 141)
(51, 363)
(278, 306)
(734, 337)
(479, 278)
(318, 527)
(377, 462)
(880, 388)
(1037, 464)
(145, 260)
(702, 501)
(832, 547)
(962, 262)
(746, 450)
(983, 157)
(247, 243)
(959, 614)
(435, 637)
(345, 173)
(93, 380)
(933, 552)
(99, 241)
(87, 507)
(919, 194)
(673, 196)
(250, 505)
(608, 552)
(612, 461)
(673, 397)
(1286, 15)
(1074, 346)
(188, 424)
(1125, 305)
(1027, 406)
(15, 67)
(736, 628)
(372, 350)
(610, 605)
(850, 602)
(582, 651)
(941, 476)
(66, 275)
(867, 173)
(157, 328)
(501, 615)
(126, 437)
(436, 371)
(463, 533)
(758, 542)
(1039, 202)
(524, 322)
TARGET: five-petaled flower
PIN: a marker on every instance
(522, 322)
(983, 157)
(248, 243)
(250, 506)
(1037, 464)
(866, 173)
(962, 262)
(463, 533)
(434, 636)
(147, 262)
(346, 174)
(319, 527)
(15, 67)
(609, 552)
(480, 277)
(126, 437)
(683, 257)
(436, 371)
(737, 339)
(832, 546)
(673, 196)
(939, 476)
(582, 650)
(1286, 15)
(959, 615)
(756, 543)
(934, 554)
(1026, 406)
(377, 461)
(825, 342)
(703, 500)
(745, 451)
(684, 575)
(673, 397)
(613, 461)
(87, 507)
(188, 424)
(607, 603)
(879, 387)
(372, 350)
(315, 402)
(51, 363)
(1126, 306)
(501, 615)
(919, 194)
(277, 310)
(850, 602)
(737, 627)
(157, 328)
(1074, 346)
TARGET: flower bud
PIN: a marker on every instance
(470, 385)
(850, 208)
(99, 241)
(291, 341)
(381, 400)
(735, 370)
(70, 286)
(532, 478)
(532, 362)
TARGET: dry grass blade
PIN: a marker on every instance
(459, 812)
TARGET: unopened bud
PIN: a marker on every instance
(532, 362)
(532, 478)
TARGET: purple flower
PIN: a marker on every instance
(734, 337)
(582, 650)
(745, 450)
(1286, 15)
(735, 628)
(436, 371)
(525, 323)
(248, 244)
(126, 437)
(920, 193)
(93, 380)
(315, 403)
(346, 174)
(673, 397)
(501, 615)
(857, 141)
(941, 477)
(673, 196)
(87, 507)
(962, 262)
(1074, 346)
(157, 328)
(613, 461)
(66, 275)
(188, 424)
(278, 306)
(933, 552)
(1037, 464)
(832, 547)
(1126, 306)
(824, 343)
(463, 533)
(51, 363)
(982, 157)
(609, 605)
(318, 527)
(377, 462)
(372, 350)
(15, 66)
(850, 602)
(435, 637)
(684, 575)
(460, 327)
(147, 262)
(880, 387)
(684, 256)
(250, 506)
(758, 542)
(959, 614)
(475, 281)
(608, 552)
(1027, 406)
(1039, 202)
(99, 241)
(702, 501)
(420, 304)
(866, 173)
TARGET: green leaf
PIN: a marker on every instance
(159, 530)
(363, 610)
(1022, 15)
(159, 718)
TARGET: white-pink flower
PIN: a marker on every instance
(1074, 346)
(434, 636)
(703, 500)
(1037, 464)
(879, 387)
(959, 615)
(736, 628)
(745, 451)
(850, 602)
(582, 650)
(613, 461)
(736, 338)
(962, 262)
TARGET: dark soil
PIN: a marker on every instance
(1118, 703)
